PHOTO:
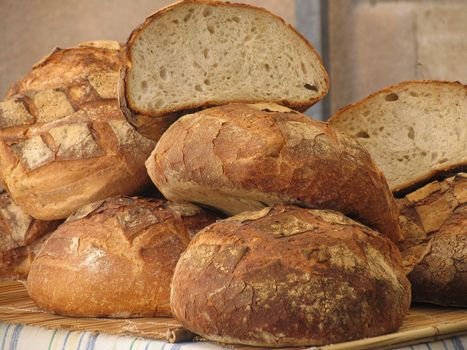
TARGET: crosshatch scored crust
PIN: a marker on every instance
(65, 142)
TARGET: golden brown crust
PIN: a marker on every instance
(66, 67)
(136, 116)
(434, 251)
(113, 258)
(418, 182)
(244, 157)
(64, 142)
(287, 276)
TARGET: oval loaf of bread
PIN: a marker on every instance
(288, 276)
(114, 258)
(434, 249)
(414, 130)
(244, 157)
(200, 53)
(64, 142)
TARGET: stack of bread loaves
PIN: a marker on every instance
(272, 275)
(308, 256)
(417, 131)
(64, 143)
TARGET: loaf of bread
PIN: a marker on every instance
(434, 222)
(288, 276)
(199, 53)
(113, 258)
(64, 142)
(21, 237)
(413, 130)
(244, 157)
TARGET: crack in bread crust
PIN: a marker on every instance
(249, 285)
(236, 158)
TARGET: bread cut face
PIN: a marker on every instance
(200, 53)
(413, 130)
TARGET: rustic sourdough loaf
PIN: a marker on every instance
(243, 157)
(64, 142)
(113, 258)
(413, 130)
(288, 276)
(434, 251)
(21, 236)
(199, 53)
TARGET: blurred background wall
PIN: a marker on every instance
(373, 44)
(30, 29)
(366, 44)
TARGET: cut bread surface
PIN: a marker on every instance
(414, 130)
(199, 53)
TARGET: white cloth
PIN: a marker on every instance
(22, 337)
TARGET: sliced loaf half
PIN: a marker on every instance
(414, 130)
(199, 53)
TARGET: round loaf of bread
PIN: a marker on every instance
(244, 157)
(434, 251)
(64, 142)
(289, 276)
(113, 258)
(21, 236)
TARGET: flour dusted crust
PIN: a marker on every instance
(244, 157)
(114, 258)
(289, 276)
(434, 222)
(21, 236)
(64, 142)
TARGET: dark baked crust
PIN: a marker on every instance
(113, 258)
(244, 157)
(434, 221)
(287, 276)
